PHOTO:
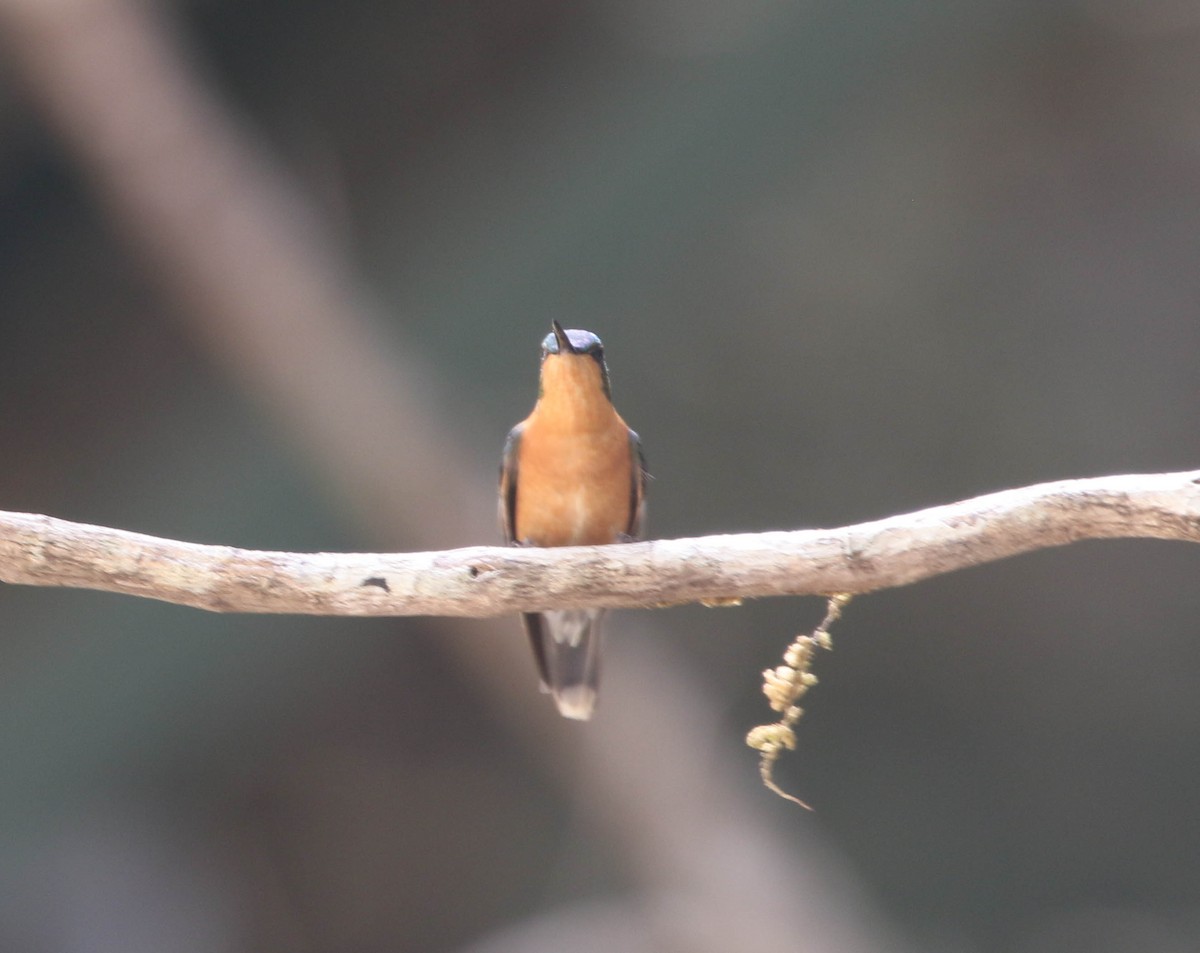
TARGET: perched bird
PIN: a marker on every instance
(572, 475)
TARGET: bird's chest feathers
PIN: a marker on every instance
(575, 480)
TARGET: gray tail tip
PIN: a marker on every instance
(576, 702)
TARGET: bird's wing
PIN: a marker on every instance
(637, 498)
(508, 484)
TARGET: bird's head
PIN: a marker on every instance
(573, 355)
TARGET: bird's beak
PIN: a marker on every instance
(564, 342)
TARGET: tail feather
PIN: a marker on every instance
(566, 646)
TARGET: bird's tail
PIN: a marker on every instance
(566, 645)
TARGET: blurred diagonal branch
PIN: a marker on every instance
(273, 301)
(488, 581)
(244, 258)
(272, 298)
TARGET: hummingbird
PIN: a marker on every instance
(573, 474)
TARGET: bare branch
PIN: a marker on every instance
(487, 581)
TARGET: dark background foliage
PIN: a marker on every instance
(847, 260)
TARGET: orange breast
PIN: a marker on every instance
(575, 480)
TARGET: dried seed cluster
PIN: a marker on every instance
(784, 685)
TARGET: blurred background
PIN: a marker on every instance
(274, 274)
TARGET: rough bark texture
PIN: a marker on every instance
(487, 581)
